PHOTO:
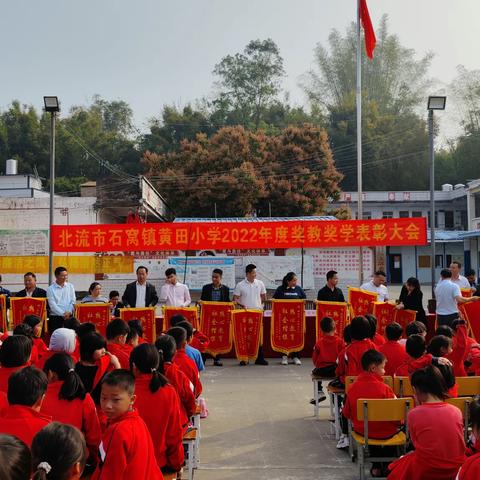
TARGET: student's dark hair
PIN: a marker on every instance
(176, 319)
(62, 365)
(72, 323)
(372, 357)
(288, 278)
(446, 273)
(15, 459)
(438, 342)
(447, 374)
(331, 274)
(61, 446)
(459, 265)
(347, 334)
(26, 386)
(372, 320)
(147, 359)
(393, 331)
(85, 328)
(429, 380)
(116, 328)
(327, 324)
(113, 293)
(170, 271)
(188, 328)
(89, 343)
(474, 413)
(59, 270)
(179, 334)
(30, 274)
(415, 346)
(218, 271)
(250, 267)
(120, 378)
(360, 328)
(92, 286)
(15, 351)
(32, 320)
(469, 272)
(415, 328)
(136, 326)
(444, 330)
(455, 325)
(166, 346)
(413, 282)
(140, 267)
(23, 329)
(380, 272)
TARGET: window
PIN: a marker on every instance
(367, 215)
(449, 260)
(424, 261)
(404, 214)
(449, 220)
(417, 214)
(439, 261)
(387, 215)
(436, 219)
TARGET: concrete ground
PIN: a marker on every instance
(261, 426)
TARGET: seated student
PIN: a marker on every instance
(117, 331)
(158, 404)
(415, 328)
(26, 331)
(325, 354)
(15, 354)
(369, 384)
(63, 340)
(360, 331)
(58, 452)
(199, 341)
(192, 352)
(394, 352)
(68, 402)
(460, 345)
(26, 389)
(374, 336)
(340, 368)
(126, 451)
(436, 431)
(135, 337)
(439, 347)
(183, 361)
(115, 303)
(15, 459)
(94, 363)
(35, 323)
(166, 346)
(473, 446)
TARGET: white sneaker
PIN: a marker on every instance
(284, 360)
(296, 361)
(343, 442)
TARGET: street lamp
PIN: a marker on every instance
(52, 106)
(434, 103)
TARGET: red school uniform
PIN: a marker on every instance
(341, 367)
(126, 451)
(3, 403)
(184, 389)
(459, 351)
(470, 469)
(369, 385)
(436, 431)
(122, 352)
(199, 341)
(411, 365)
(353, 356)
(326, 350)
(188, 367)
(23, 422)
(161, 413)
(5, 373)
(41, 347)
(378, 340)
(79, 413)
(395, 354)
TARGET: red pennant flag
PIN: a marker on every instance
(370, 39)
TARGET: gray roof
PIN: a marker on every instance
(446, 236)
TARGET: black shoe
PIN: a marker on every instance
(217, 363)
(242, 363)
(261, 361)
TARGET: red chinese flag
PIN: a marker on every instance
(190, 313)
(216, 324)
(471, 313)
(287, 332)
(146, 316)
(97, 313)
(247, 333)
(385, 314)
(3, 313)
(336, 310)
(404, 317)
(370, 39)
(361, 301)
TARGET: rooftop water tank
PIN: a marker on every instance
(447, 187)
(11, 166)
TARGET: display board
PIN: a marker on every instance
(23, 242)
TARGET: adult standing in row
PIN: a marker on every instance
(330, 292)
(61, 299)
(140, 294)
(411, 298)
(458, 279)
(173, 293)
(377, 285)
(31, 289)
(289, 290)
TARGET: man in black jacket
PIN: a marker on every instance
(216, 292)
(141, 293)
(31, 289)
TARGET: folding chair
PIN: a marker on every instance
(189, 440)
(468, 386)
(402, 387)
(316, 380)
(380, 410)
(463, 404)
(334, 394)
(349, 380)
(195, 420)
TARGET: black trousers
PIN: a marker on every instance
(54, 322)
(447, 319)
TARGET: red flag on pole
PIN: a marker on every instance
(370, 39)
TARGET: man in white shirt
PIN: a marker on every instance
(174, 293)
(61, 299)
(377, 285)
(251, 293)
(458, 279)
(448, 296)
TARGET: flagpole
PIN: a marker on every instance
(359, 138)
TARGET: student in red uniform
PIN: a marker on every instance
(26, 390)
(370, 384)
(416, 328)
(460, 345)
(394, 351)
(126, 451)
(68, 402)
(325, 354)
(436, 431)
(183, 361)
(341, 367)
(360, 331)
(26, 331)
(15, 354)
(62, 340)
(135, 337)
(439, 347)
(158, 404)
(374, 336)
(35, 323)
(117, 331)
(15, 459)
(58, 452)
(166, 347)
(473, 445)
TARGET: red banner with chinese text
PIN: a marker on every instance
(404, 317)
(3, 313)
(21, 306)
(336, 310)
(146, 316)
(190, 313)
(97, 313)
(384, 313)
(287, 331)
(247, 332)
(361, 301)
(216, 324)
(238, 235)
(466, 292)
(471, 313)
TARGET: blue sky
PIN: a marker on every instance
(152, 52)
